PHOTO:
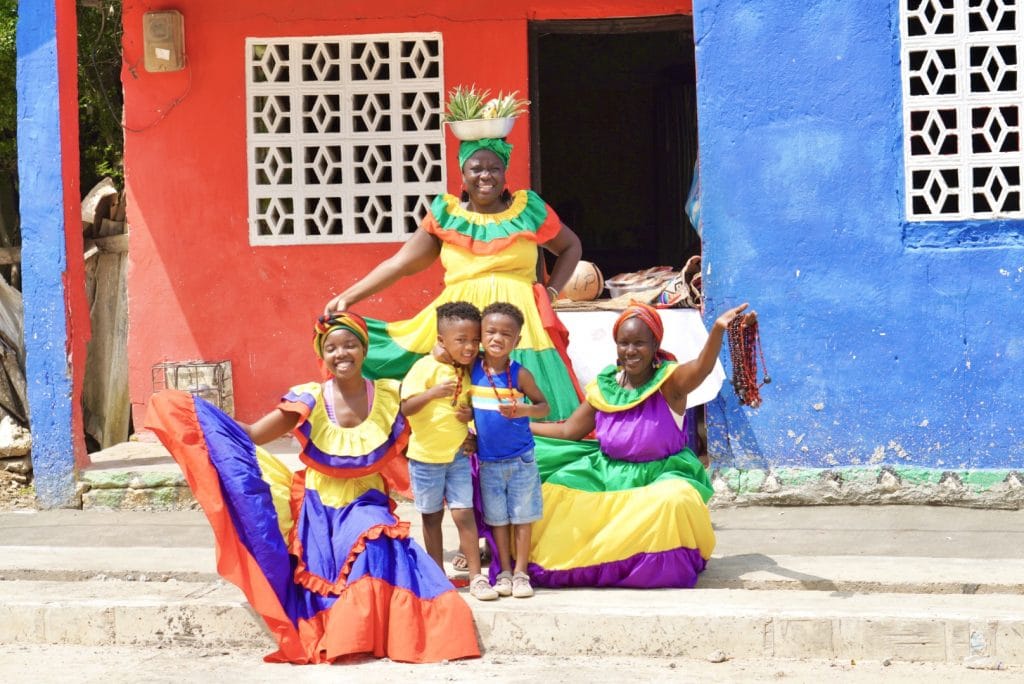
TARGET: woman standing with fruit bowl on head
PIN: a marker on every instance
(487, 240)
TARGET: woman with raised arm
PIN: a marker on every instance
(629, 509)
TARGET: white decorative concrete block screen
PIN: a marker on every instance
(344, 135)
(962, 101)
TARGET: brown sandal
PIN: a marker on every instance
(459, 561)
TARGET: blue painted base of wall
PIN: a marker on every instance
(885, 485)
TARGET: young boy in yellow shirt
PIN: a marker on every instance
(435, 399)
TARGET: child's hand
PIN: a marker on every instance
(441, 354)
(511, 409)
(444, 389)
(725, 319)
(464, 413)
(469, 444)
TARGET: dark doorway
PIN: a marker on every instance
(614, 135)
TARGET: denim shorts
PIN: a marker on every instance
(435, 483)
(510, 489)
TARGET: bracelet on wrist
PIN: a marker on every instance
(552, 292)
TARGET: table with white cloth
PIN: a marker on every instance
(592, 347)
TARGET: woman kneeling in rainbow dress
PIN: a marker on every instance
(319, 553)
(629, 509)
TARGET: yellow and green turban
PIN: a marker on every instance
(341, 320)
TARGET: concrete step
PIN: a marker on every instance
(601, 623)
(868, 583)
(865, 574)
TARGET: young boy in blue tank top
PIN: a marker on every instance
(509, 480)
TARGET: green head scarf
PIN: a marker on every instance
(495, 145)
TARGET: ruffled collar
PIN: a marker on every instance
(361, 439)
(605, 393)
(527, 218)
(454, 208)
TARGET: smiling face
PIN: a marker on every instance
(483, 175)
(460, 339)
(501, 334)
(636, 348)
(343, 354)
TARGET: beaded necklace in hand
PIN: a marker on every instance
(744, 350)
(508, 382)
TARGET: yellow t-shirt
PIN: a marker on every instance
(436, 433)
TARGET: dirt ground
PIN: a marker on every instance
(84, 664)
(14, 496)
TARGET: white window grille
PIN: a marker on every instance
(344, 136)
(962, 101)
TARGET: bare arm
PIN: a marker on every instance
(275, 424)
(415, 255)
(538, 408)
(566, 245)
(577, 426)
(687, 376)
(414, 404)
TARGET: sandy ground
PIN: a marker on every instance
(15, 496)
(84, 664)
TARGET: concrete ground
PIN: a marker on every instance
(86, 665)
(823, 585)
(791, 593)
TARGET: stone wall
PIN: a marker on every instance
(868, 485)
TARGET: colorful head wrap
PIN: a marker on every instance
(495, 145)
(341, 320)
(650, 317)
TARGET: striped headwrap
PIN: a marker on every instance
(340, 320)
(650, 317)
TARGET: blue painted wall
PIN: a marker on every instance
(883, 346)
(43, 254)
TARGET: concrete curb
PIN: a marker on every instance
(97, 613)
(865, 574)
(744, 624)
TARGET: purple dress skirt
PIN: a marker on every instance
(628, 509)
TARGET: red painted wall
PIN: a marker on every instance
(196, 289)
(76, 304)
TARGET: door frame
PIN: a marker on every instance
(538, 29)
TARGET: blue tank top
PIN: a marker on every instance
(498, 437)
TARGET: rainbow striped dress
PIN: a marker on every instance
(626, 510)
(487, 258)
(319, 553)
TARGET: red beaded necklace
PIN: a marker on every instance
(508, 383)
(744, 350)
(458, 384)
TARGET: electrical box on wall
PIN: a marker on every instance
(163, 38)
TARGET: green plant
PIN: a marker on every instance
(465, 103)
(101, 137)
(469, 103)
(8, 92)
